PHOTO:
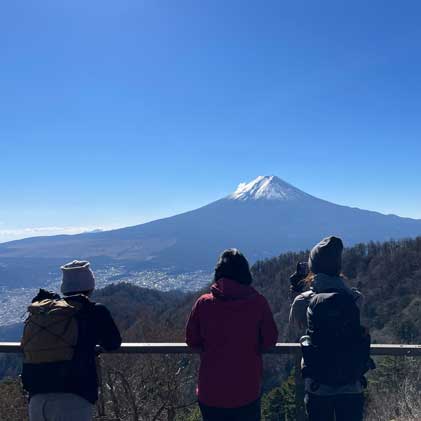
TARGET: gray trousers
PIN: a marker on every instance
(60, 407)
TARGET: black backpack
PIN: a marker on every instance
(338, 350)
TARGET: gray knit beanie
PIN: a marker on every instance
(326, 257)
(77, 277)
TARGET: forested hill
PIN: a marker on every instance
(388, 274)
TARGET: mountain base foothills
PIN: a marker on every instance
(161, 387)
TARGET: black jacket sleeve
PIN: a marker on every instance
(108, 335)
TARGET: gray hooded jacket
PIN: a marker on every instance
(298, 325)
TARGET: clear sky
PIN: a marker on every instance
(113, 113)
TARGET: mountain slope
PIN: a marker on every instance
(263, 218)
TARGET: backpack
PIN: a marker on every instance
(338, 350)
(58, 358)
(51, 331)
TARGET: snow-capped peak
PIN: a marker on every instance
(266, 187)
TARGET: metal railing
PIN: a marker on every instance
(280, 349)
(182, 348)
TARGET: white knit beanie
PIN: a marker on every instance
(77, 277)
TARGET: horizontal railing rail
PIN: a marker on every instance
(182, 348)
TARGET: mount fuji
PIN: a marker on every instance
(262, 218)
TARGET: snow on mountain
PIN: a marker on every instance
(267, 187)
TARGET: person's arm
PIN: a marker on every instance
(108, 336)
(193, 336)
(268, 329)
(297, 318)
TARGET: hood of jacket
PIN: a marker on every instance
(228, 289)
(323, 282)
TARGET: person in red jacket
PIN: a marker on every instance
(231, 326)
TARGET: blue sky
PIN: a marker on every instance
(115, 113)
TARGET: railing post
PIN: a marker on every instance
(101, 402)
(300, 414)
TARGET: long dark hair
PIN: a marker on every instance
(233, 265)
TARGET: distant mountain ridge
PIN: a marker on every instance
(263, 218)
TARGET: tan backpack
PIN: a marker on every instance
(51, 331)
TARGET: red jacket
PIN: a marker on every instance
(231, 326)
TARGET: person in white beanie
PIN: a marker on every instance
(68, 390)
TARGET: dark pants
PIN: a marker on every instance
(343, 407)
(249, 412)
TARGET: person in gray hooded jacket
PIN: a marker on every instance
(326, 402)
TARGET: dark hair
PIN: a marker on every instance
(233, 265)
